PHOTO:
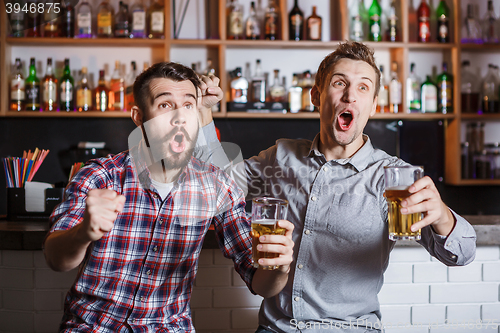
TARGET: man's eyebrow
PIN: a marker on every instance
(166, 93)
(343, 75)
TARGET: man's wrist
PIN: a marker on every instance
(205, 115)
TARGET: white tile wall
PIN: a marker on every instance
(417, 290)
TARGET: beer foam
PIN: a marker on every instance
(265, 222)
(398, 188)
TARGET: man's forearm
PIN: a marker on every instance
(64, 250)
(268, 283)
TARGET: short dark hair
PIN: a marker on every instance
(350, 50)
(168, 70)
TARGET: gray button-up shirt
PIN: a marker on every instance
(341, 234)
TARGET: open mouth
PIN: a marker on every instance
(178, 144)
(345, 120)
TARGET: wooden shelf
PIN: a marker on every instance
(487, 116)
(130, 42)
(68, 114)
(477, 182)
(413, 116)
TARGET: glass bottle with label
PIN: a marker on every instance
(32, 88)
(129, 86)
(429, 96)
(52, 22)
(252, 25)
(156, 21)
(68, 19)
(490, 33)
(490, 91)
(83, 93)
(413, 90)
(392, 34)
(295, 95)
(307, 84)
(258, 85)
(445, 91)
(375, 15)
(66, 89)
(239, 87)
(443, 17)
(17, 21)
(395, 93)
(272, 21)
(277, 91)
(296, 23)
(84, 21)
(122, 21)
(424, 23)
(101, 93)
(49, 88)
(471, 30)
(314, 25)
(105, 16)
(117, 89)
(34, 20)
(383, 94)
(469, 89)
(235, 23)
(17, 88)
(357, 29)
(138, 20)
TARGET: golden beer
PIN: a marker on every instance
(259, 228)
(399, 224)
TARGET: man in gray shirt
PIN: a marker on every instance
(335, 187)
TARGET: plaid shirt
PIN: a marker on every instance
(139, 276)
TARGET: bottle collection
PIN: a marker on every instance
(366, 23)
(265, 23)
(480, 30)
(257, 90)
(480, 160)
(65, 94)
(480, 95)
(37, 19)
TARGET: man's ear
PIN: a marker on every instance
(137, 116)
(374, 107)
(315, 96)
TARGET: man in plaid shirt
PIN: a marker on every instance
(134, 222)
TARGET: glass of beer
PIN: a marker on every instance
(398, 180)
(265, 215)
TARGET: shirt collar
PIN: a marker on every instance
(360, 160)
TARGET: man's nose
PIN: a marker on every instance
(349, 95)
(178, 119)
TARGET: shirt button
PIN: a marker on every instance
(161, 221)
(142, 298)
(148, 272)
(300, 266)
(296, 298)
(132, 320)
(307, 232)
(313, 198)
(155, 248)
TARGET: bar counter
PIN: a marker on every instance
(22, 235)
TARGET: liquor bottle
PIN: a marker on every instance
(307, 84)
(445, 91)
(101, 93)
(443, 16)
(469, 89)
(471, 30)
(83, 93)
(105, 16)
(296, 23)
(490, 91)
(395, 93)
(252, 25)
(375, 15)
(68, 19)
(258, 85)
(295, 95)
(122, 22)
(424, 23)
(277, 91)
(17, 88)
(34, 20)
(357, 21)
(49, 88)
(429, 96)
(17, 21)
(156, 21)
(84, 21)
(138, 20)
(413, 90)
(66, 89)
(383, 94)
(392, 34)
(239, 87)
(129, 86)
(32, 88)
(52, 23)
(313, 26)
(117, 89)
(209, 70)
(272, 21)
(489, 28)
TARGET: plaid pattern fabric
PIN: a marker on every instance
(139, 276)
